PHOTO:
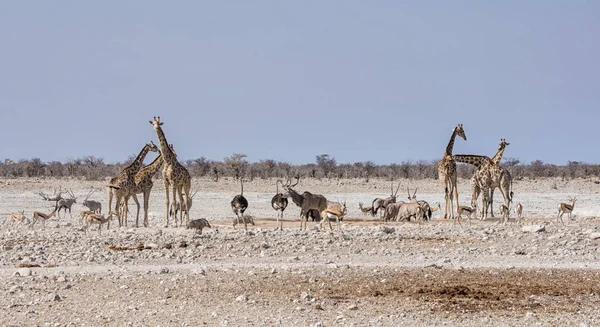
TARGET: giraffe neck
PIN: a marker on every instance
(165, 149)
(139, 160)
(496, 159)
(475, 160)
(152, 168)
(451, 143)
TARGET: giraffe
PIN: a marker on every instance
(494, 161)
(143, 184)
(119, 186)
(174, 175)
(488, 176)
(447, 172)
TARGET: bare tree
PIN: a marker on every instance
(237, 165)
(326, 164)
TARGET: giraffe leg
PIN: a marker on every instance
(173, 204)
(146, 198)
(186, 189)
(137, 215)
(167, 202)
(492, 200)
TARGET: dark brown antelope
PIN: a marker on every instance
(306, 201)
(384, 202)
(239, 204)
(279, 202)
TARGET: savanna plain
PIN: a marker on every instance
(372, 273)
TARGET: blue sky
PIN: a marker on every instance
(384, 81)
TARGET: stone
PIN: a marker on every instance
(533, 228)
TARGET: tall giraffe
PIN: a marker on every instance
(119, 186)
(144, 184)
(480, 161)
(174, 175)
(489, 176)
(447, 173)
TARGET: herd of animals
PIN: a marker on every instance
(137, 178)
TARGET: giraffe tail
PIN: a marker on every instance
(510, 198)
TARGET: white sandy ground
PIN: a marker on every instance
(379, 274)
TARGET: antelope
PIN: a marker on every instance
(331, 213)
(392, 210)
(306, 201)
(239, 204)
(469, 211)
(519, 210)
(504, 213)
(565, 208)
(42, 216)
(279, 202)
(84, 214)
(340, 206)
(365, 210)
(94, 218)
(198, 224)
(412, 208)
(382, 203)
(94, 206)
(18, 218)
(66, 203)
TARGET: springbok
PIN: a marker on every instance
(279, 202)
(365, 210)
(239, 204)
(333, 212)
(519, 210)
(470, 212)
(94, 206)
(306, 201)
(18, 218)
(382, 203)
(504, 213)
(565, 208)
(99, 219)
(42, 216)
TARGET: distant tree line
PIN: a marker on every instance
(324, 166)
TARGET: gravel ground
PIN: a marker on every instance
(371, 273)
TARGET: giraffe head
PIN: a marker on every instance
(503, 144)
(152, 147)
(156, 123)
(460, 131)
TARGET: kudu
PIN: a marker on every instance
(279, 202)
(306, 201)
(383, 203)
(54, 197)
(94, 206)
(239, 204)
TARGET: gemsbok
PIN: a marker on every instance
(384, 202)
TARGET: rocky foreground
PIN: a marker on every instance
(370, 274)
